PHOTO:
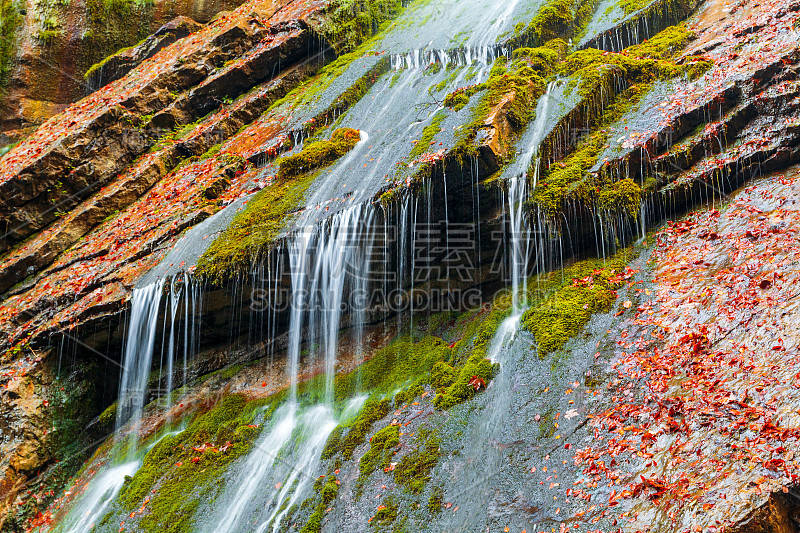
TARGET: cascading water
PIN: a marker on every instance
(323, 259)
(93, 503)
(138, 357)
(140, 346)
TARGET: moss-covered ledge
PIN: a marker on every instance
(267, 214)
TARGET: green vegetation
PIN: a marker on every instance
(401, 362)
(643, 63)
(562, 19)
(48, 37)
(547, 424)
(387, 513)
(388, 369)
(468, 358)
(9, 22)
(541, 45)
(414, 469)
(590, 288)
(108, 416)
(351, 22)
(428, 134)
(68, 443)
(372, 411)
(326, 488)
(183, 469)
(632, 6)
(597, 71)
(381, 450)
(436, 500)
(267, 213)
(317, 154)
(568, 177)
(518, 84)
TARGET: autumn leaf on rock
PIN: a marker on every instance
(477, 383)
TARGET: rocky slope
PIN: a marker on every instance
(631, 133)
(50, 46)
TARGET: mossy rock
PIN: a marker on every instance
(318, 154)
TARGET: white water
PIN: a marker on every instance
(504, 336)
(138, 357)
(257, 467)
(323, 258)
(274, 476)
(91, 506)
(519, 238)
(140, 346)
(318, 423)
(140, 341)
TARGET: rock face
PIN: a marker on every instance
(192, 119)
(52, 45)
(116, 66)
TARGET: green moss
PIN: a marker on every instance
(326, 489)
(554, 20)
(381, 450)
(664, 45)
(108, 416)
(372, 411)
(632, 6)
(314, 87)
(393, 366)
(48, 37)
(433, 68)
(457, 100)
(332, 444)
(590, 288)
(436, 500)
(642, 63)
(414, 469)
(547, 424)
(623, 196)
(387, 513)
(318, 154)
(442, 375)
(9, 23)
(569, 179)
(349, 23)
(178, 481)
(266, 215)
(469, 356)
(428, 134)
(557, 19)
(100, 64)
(522, 81)
(397, 364)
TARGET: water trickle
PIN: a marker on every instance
(273, 477)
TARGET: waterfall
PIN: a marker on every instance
(93, 503)
(257, 466)
(272, 478)
(140, 346)
(324, 258)
(138, 357)
(518, 238)
(522, 176)
(140, 342)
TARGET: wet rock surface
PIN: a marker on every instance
(116, 66)
(103, 193)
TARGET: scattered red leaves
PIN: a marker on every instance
(702, 404)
